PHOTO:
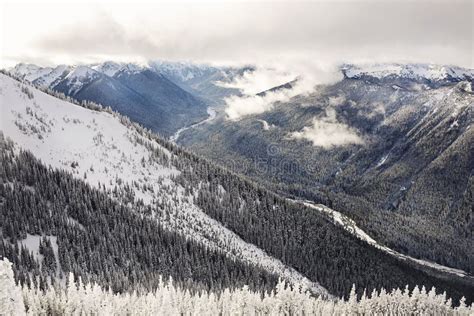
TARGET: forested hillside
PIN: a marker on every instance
(144, 207)
(98, 238)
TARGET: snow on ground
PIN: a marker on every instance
(61, 134)
(352, 227)
(97, 148)
(32, 243)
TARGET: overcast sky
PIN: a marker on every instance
(299, 34)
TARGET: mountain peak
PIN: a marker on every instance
(111, 68)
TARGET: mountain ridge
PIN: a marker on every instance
(162, 106)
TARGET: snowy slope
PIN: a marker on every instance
(135, 90)
(107, 151)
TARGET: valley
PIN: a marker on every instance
(182, 195)
(393, 183)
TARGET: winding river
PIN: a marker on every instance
(212, 115)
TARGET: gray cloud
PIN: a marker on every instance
(276, 33)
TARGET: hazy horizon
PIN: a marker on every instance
(287, 35)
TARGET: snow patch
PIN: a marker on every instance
(32, 243)
(349, 225)
(382, 160)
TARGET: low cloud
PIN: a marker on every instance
(327, 132)
(307, 77)
(242, 32)
(238, 107)
(337, 100)
(263, 78)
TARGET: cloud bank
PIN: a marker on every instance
(258, 32)
(306, 38)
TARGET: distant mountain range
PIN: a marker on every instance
(202, 80)
(432, 76)
(162, 96)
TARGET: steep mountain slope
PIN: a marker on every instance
(107, 152)
(395, 155)
(101, 174)
(136, 91)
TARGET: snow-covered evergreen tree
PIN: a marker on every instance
(11, 300)
(77, 298)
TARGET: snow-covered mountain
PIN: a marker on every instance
(417, 72)
(146, 96)
(111, 68)
(44, 77)
(196, 78)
